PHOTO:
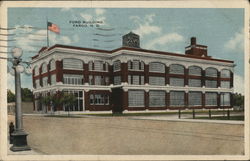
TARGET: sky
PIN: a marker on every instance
(163, 29)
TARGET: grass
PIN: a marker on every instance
(237, 118)
(157, 113)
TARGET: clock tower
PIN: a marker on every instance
(131, 40)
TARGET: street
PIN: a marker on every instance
(128, 136)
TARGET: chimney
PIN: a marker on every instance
(193, 40)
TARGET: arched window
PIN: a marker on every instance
(156, 67)
(44, 68)
(225, 73)
(211, 72)
(194, 70)
(36, 70)
(136, 65)
(52, 65)
(176, 69)
(71, 63)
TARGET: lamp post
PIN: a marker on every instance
(19, 135)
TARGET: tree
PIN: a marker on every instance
(10, 96)
(27, 95)
(238, 100)
(68, 101)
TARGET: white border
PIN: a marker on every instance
(123, 4)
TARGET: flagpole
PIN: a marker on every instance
(47, 32)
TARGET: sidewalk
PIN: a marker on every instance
(185, 119)
(28, 152)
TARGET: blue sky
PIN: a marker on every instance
(164, 29)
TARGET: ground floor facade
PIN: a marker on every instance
(122, 98)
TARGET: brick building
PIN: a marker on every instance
(132, 78)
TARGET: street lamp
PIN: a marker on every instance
(19, 135)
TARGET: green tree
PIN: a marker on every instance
(69, 101)
(238, 100)
(10, 96)
(27, 95)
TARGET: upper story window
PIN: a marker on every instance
(176, 69)
(44, 68)
(157, 81)
(225, 73)
(117, 65)
(52, 65)
(136, 65)
(194, 70)
(98, 80)
(117, 80)
(36, 70)
(136, 79)
(73, 79)
(37, 83)
(176, 82)
(98, 66)
(211, 72)
(194, 82)
(157, 67)
(53, 79)
(70, 63)
(45, 81)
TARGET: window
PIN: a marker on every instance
(36, 69)
(211, 83)
(69, 63)
(194, 83)
(91, 97)
(157, 81)
(194, 98)
(98, 80)
(73, 79)
(135, 65)
(44, 68)
(91, 80)
(225, 73)
(78, 105)
(225, 84)
(117, 66)
(99, 99)
(45, 81)
(117, 80)
(136, 98)
(211, 99)
(176, 69)
(53, 79)
(157, 67)
(194, 70)
(225, 99)
(211, 72)
(157, 98)
(136, 79)
(37, 83)
(176, 82)
(52, 65)
(98, 66)
(177, 98)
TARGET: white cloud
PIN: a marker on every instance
(99, 11)
(86, 17)
(144, 25)
(165, 39)
(236, 43)
(238, 84)
(97, 15)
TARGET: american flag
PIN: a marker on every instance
(53, 27)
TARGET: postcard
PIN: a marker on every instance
(124, 80)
